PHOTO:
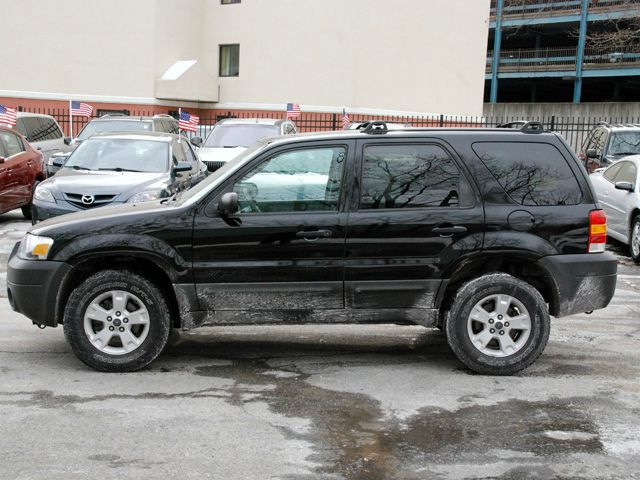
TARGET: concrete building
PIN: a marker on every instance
(370, 56)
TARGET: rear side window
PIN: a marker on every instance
(38, 129)
(411, 176)
(531, 173)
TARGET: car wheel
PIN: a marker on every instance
(117, 321)
(27, 211)
(498, 324)
(634, 239)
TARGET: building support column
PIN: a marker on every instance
(497, 40)
(582, 40)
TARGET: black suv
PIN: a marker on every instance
(483, 233)
(607, 144)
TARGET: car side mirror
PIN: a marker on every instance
(182, 167)
(2, 159)
(58, 161)
(67, 140)
(628, 186)
(591, 153)
(228, 204)
(196, 141)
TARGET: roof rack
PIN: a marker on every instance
(113, 114)
(162, 115)
(374, 127)
(524, 126)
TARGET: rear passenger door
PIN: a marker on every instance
(413, 214)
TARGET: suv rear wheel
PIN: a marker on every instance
(117, 321)
(498, 324)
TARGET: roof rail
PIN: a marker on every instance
(374, 127)
(524, 126)
(603, 123)
(113, 114)
(162, 115)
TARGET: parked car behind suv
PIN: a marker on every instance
(115, 123)
(20, 171)
(43, 133)
(112, 168)
(607, 144)
(484, 233)
(232, 136)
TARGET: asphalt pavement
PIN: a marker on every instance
(323, 402)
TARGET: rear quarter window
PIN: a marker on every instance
(531, 173)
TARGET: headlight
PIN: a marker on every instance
(34, 247)
(44, 194)
(146, 196)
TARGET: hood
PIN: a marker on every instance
(208, 154)
(104, 182)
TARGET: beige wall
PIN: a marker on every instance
(397, 55)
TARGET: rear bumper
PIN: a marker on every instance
(33, 286)
(583, 282)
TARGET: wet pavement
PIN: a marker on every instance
(324, 402)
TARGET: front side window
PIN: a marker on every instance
(411, 176)
(299, 180)
(11, 143)
(229, 60)
(610, 173)
(530, 173)
(627, 173)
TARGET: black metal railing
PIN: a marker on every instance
(551, 8)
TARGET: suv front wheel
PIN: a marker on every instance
(498, 324)
(117, 321)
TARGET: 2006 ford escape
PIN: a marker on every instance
(483, 233)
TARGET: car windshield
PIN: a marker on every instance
(625, 143)
(98, 126)
(239, 135)
(120, 154)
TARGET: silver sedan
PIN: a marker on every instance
(618, 191)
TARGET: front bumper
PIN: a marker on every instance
(583, 282)
(33, 287)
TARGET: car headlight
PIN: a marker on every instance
(43, 194)
(34, 247)
(146, 196)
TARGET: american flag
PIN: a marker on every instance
(81, 109)
(7, 115)
(188, 122)
(293, 110)
(346, 121)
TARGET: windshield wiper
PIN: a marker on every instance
(118, 169)
(623, 153)
(78, 167)
(230, 146)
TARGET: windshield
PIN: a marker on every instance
(245, 135)
(94, 127)
(213, 177)
(625, 143)
(120, 155)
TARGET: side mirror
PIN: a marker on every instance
(228, 204)
(182, 167)
(67, 140)
(591, 153)
(2, 159)
(58, 161)
(628, 186)
(196, 141)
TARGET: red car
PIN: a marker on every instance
(21, 169)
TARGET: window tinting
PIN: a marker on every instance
(12, 144)
(411, 176)
(627, 173)
(300, 180)
(229, 60)
(611, 172)
(531, 173)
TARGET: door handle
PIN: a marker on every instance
(314, 234)
(449, 230)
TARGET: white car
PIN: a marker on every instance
(617, 188)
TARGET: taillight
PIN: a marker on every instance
(597, 231)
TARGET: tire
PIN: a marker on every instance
(106, 300)
(491, 304)
(27, 212)
(634, 239)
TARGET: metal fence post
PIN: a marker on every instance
(552, 125)
(334, 121)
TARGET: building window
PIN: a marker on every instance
(229, 60)
(229, 2)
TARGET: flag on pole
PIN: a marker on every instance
(7, 115)
(293, 110)
(81, 109)
(188, 122)
(346, 120)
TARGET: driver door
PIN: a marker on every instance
(285, 248)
